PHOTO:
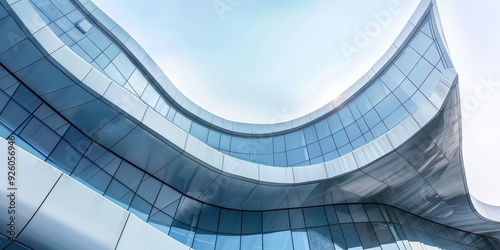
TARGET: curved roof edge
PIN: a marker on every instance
(169, 91)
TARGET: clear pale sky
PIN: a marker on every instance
(264, 61)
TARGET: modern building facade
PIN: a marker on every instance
(112, 155)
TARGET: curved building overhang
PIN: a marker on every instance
(124, 124)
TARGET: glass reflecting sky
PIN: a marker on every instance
(269, 61)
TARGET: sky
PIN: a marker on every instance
(263, 61)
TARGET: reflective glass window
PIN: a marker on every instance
(204, 240)
(320, 238)
(314, 149)
(331, 155)
(294, 140)
(353, 131)
(350, 235)
(251, 223)
(421, 42)
(379, 129)
(227, 242)
(296, 218)
(362, 125)
(310, 134)
(240, 145)
(225, 142)
(334, 123)
(123, 64)
(263, 145)
(386, 106)
(392, 77)
(213, 138)
(396, 117)
(279, 143)
(322, 129)
(327, 145)
(362, 103)
(296, 156)
(209, 218)
(300, 240)
(280, 159)
(338, 237)
(358, 213)
(345, 149)
(199, 132)
(230, 222)
(251, 242)
(346, 116)
(278, 240)
(181, 121)
(343, 214)
(150, 96)
(376, 92)
(340, 138)
(432, 54)
(315, 216)
(420, 72)
(367, 235)
(275, 220)
(407, 60)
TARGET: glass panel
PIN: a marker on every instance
(251, 242)
(310, 134)
(279, 144)
(227, 242)
(294, 140)
(376, 92)
(314, 149)
(315, 216)
(407, 60)
(300, 239)
(340, 138)
(278, 240)
(392, 77)
(327, 145)
(334, 123)
(322, 128)
(386, 106)
(296, 156)
(199, 132)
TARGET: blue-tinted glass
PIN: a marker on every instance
(367, 235)
(204, 240)
(266, 159)
(294, 140)
(407, 60)
(263, 145)
(230, 221)
(360, 141)
(383, 233)
(251, 242)
(392, 77)
(331, 215)
(181, 120)
(65, 157)
(90, 48)
(251, 223)
(331, 155)
(386, 106)
(140, 207)
(124, 65)
(296, 218)
(430, 83)
(240, 145)
(129, 175)
(415, 102)
(322, 129)
(199, 132)
(112, 51)
(182, 233)
(209, 218)
(310, 134)
(397, 116)
(320, 238)
(162, 107)
(300, 240)
(150, 96)
(315, 216)
(345, 149)
(275, 220)
(334, 123)
(13, 115)
(327, 145)
(353, 131)
(119, 193)
(372, 118)
(280, 159)
(363, 103)
(362, 125)
(421, 43)
(227, 242)
(379, 129)
(340, 138)
(420, 72)
(346, 116)
(225, 142)
(432, 55)
(350, 235)
(278, 240)
(99, 39)
(314, 149)
(279, 143)
(213, 138)
(316, 160)
(405, 91)
(358, 213)
(296, 156)
(40, 136)
(354, 110)
(338, 237)
(343, 214)
(376, 92)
